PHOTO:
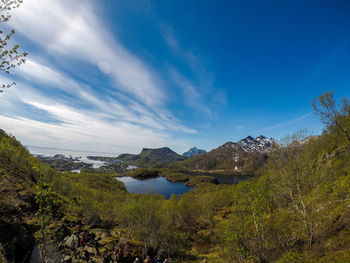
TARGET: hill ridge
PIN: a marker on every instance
(245, 156)
(152, 157)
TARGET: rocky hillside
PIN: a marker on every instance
(194, 151)
(21, 181)
(152, 157)
(244, 156)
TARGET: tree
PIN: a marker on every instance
(49, 207)
(245, 231)
(6, 6)
(295, 169)
(143, 217)
(333, 115)
(189, 211)
(10, 57)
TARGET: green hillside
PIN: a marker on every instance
(298, 210)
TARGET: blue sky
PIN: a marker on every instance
(116, 76)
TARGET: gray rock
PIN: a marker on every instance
(67, 259)
(36, 257)
(71, 241)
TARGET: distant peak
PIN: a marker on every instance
(193, 152)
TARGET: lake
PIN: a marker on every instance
(223, 178)
(158, 185)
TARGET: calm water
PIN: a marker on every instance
(223, 178)
(158, 185)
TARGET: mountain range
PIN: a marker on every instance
(244, 156)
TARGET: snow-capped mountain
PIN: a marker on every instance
(244, 156)
(260, 144)
(194, 152)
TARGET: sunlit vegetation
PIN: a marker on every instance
(298, 210)
(10, 54)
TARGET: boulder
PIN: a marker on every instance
(67, 259)
(71, 241)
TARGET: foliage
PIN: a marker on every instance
(334, 116)
(10, 57)
(49, 207)
(16, 164)
(303, 203)
(6, 6)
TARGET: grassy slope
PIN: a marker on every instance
(209, 220)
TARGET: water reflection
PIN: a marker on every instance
(158, 185)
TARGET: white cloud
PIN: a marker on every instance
(50, 108)
(198, 92)
(109, 126)
(83, 131)
(35, 71)
(127, 110)
(192, 97)
(72, 29)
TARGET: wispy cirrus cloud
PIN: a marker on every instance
(104, 123)
(52, 107)
(285, 123)
(110, 107)
(37, 72)
(191, 95)
(198, 92)
(101, 136)
(81, 129)
(190, 58)
(73, 30)
(239, 127)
